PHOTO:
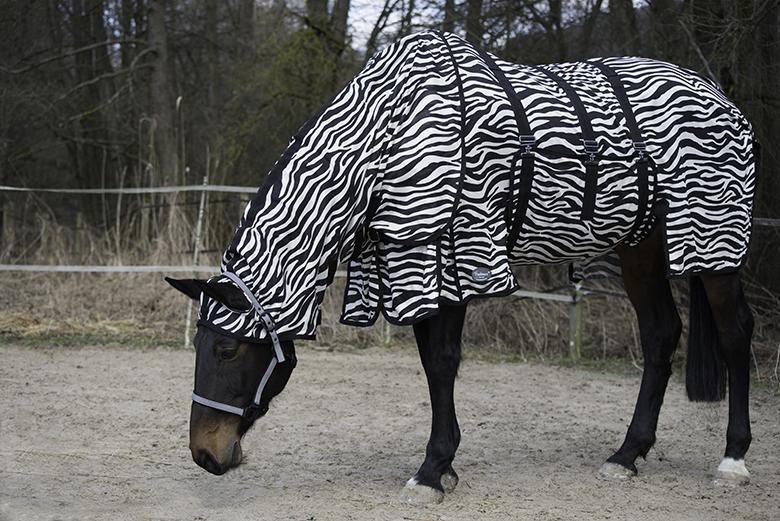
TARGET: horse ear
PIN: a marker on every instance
(227, 294)
(189, 287)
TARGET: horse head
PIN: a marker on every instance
(228, 376)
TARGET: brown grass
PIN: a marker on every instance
(142, 305)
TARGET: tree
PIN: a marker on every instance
(161, 94)
(474, 28)
(624, 32)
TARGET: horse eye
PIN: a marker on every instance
(228, 353)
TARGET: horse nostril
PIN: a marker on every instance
(205, 460)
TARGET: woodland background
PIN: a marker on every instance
(138, 93)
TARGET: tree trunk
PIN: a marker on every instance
(448, 25)
(406, 19)
(622, 22)
(317, 15)
(474, 29)
(379, 26)
(557, 33)
(212, 51)
(161, 94)
(338, 23)
(126, 25)
(767, 74)
(591, 18)
(246, 26)
(665, 30)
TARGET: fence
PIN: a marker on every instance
(574, 297)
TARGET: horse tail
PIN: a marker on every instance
(705, 372)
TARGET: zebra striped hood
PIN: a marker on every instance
(439, 166)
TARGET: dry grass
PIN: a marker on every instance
(61, 306)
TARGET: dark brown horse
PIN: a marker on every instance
(721, 326)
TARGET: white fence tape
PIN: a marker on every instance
(151, 190)
(116, 269)
(559, 297)
(762, 221)
(107, 269)
(759, 221)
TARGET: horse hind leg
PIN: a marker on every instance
(733, 322)
(648, 289)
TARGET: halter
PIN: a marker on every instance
(253, 410)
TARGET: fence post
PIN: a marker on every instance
(575, 323)
(196, 249)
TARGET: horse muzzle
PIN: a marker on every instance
(214, 464)
(215, 440)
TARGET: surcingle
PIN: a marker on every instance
(439, 166)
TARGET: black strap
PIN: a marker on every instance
(525, 154)
(643, 163)
(588, 141)
(622, 97)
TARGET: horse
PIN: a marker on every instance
(437, 169)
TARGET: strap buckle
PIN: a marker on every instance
(527, 142)
(254, 411)
(591, 148)
(640, 147)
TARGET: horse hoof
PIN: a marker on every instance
(449, 480)
(417, 494)
(616, 472)
(732, 472)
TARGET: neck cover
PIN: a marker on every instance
(439, 166)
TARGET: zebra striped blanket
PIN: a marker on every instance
(439, 166)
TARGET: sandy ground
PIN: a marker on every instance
(102, 434)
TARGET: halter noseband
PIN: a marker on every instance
(253, 410)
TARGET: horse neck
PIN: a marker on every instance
(296, 230)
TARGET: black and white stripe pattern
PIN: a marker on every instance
(408, 173)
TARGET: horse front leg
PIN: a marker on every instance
(439, 343)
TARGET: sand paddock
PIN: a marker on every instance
(101, 433)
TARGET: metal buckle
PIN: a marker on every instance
(591, 145)
(527, 142)
(254, 411)
(640, 147)
(591, 148)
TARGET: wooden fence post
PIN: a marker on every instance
(196, 248)
(575, 323)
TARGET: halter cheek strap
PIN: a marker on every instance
(254, 409)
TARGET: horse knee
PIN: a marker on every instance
(660, 340)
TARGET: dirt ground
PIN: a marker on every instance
(101, 433)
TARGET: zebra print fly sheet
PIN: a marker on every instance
(439, 166)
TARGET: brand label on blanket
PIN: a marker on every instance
(480, 274)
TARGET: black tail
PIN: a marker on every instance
(705, 372)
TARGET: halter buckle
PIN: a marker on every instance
(254, 411)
